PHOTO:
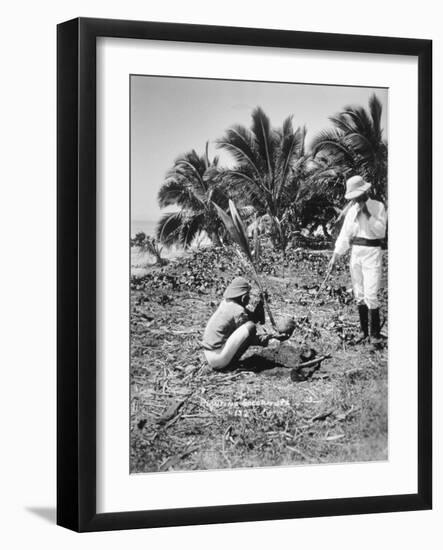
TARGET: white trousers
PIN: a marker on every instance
(366, 266)
(236, 344)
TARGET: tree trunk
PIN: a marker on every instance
(216, 239)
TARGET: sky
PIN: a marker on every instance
(171, 116)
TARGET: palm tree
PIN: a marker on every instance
(188, 186)
(320, 196)
(266, 165)
(357, 145)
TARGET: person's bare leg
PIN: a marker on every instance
(235, 346)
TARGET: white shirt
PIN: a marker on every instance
(373, 227)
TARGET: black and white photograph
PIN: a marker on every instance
(259, 265)
(226, 221)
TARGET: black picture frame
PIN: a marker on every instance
(76, 293)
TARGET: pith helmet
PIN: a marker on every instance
(355, 187)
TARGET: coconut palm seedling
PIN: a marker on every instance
(237, 231)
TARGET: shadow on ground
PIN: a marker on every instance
(258, 363)
(48, 514)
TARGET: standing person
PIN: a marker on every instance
(232, 328)
(364, 228)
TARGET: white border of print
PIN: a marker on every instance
(117, 490)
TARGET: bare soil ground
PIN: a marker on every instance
(186, 417)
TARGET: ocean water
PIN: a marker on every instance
(142, 260)
(146, 226)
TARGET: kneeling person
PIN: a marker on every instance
(232, 328)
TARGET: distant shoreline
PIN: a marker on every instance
(142, 261)
(143, 226)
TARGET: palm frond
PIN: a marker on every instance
(261, 128)
(178, 192)
(236, 231)
(207, 161)
(360, 143)
(324, 138)
(217, 194)
(331, 141)
(245, 178)
(342, 122)
(241, 230)
(375, 109)
(244, 194)
(190, 228)
(360, 119)
(241, 138)
(290, 146)
(287, 128)
(240, 143)
(169, 227)
(303, 133)
(196, 173)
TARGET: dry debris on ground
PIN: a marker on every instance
(186, 417)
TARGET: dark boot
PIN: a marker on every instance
(374, 326)
(363, 314)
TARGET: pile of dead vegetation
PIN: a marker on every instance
(207, 269)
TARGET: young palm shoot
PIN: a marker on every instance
(236, 229)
